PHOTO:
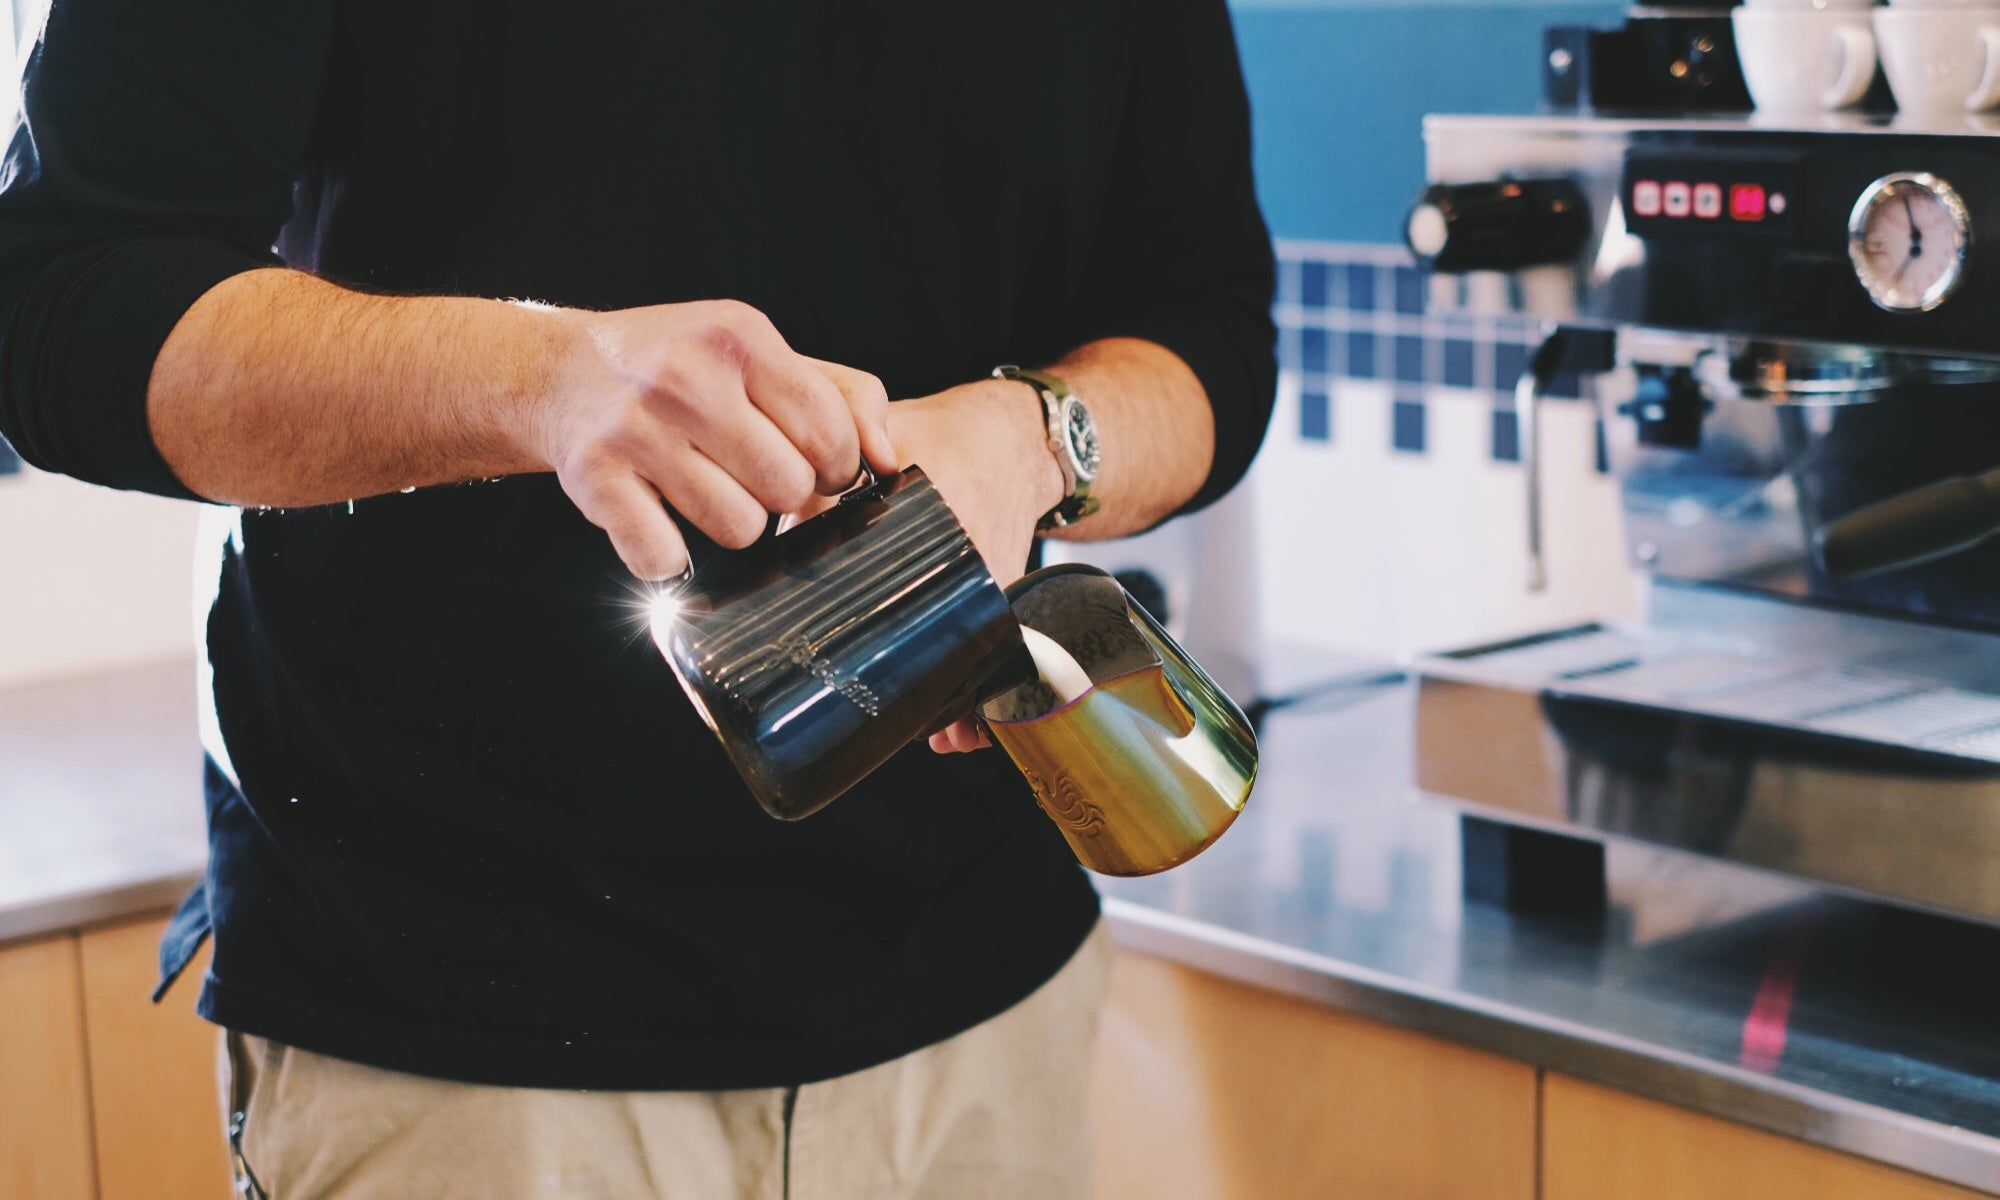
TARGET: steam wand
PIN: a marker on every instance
(1529, 391)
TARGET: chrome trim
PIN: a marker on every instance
(1797, 373)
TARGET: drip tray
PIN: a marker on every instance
(1855, 752)
(1874, 705)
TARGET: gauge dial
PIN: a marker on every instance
(1909, 236)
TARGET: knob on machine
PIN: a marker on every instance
(1500, 226)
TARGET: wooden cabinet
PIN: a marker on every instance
(156, 1111)
(1600, 1143)
(45, 1140)
(1206, 1089)
(1211, 1090)
(104, 1096)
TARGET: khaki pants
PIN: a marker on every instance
(1001, 1110)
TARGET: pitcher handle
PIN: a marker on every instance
(862, 482)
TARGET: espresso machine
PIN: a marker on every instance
(1791, 332)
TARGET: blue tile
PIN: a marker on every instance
(1509, 360)
(1316, 417)
(1567, 385)
(1313, 289)
(1458, 363)
(1312, 351)
(1409, 290)
(1360, 287)
(1361, 354)
(1407, 432)
(9, 461)
(1409, 360)
(1288, 347)
(1603, 449)
(1506, 436)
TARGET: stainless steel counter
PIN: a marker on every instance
(1710, 986)
(1730, 992)
(100, 798)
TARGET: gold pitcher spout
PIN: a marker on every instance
(1148, 767)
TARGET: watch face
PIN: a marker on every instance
(1908, 238)
(1082, 439)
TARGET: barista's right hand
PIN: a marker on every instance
(703, 406)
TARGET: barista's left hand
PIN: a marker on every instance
(986, 449)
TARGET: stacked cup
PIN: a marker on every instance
(1806, 56)
(1942, 57)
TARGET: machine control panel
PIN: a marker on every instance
(1706, 194)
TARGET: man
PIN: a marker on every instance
(493, 917)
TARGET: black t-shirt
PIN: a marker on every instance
(463, 821)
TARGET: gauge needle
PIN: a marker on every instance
(1916, 238)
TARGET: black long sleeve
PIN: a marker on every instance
(463, 822)
(1186, 260)
(154, 156)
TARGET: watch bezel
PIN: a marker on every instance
(1084, 463)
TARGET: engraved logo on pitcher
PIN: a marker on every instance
(1066, 804)
(802, 653)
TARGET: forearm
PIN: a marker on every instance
(1155, 427)
(279, 388)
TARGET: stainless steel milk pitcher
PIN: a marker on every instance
(816, 655)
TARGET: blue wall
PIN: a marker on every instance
(1338, 90)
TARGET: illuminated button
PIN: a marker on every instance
(1746, 201)
(1646, 198)
(1777, 203)
(1674, 199)
(1707, 201)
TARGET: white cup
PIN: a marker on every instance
(1941, 61)
(1800, 60)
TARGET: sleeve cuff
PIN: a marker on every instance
(106, 332)
(1239, 376)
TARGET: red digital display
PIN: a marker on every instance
(1746, 201)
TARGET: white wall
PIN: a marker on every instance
(1367, 548)
(91, 579)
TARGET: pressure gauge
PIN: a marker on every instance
(1908, 236)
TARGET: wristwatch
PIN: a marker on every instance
(1072, 439)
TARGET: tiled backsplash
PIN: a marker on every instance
(1390, 509)
(1351, 312)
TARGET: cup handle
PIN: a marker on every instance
(1987, 94)
(1857, 67)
